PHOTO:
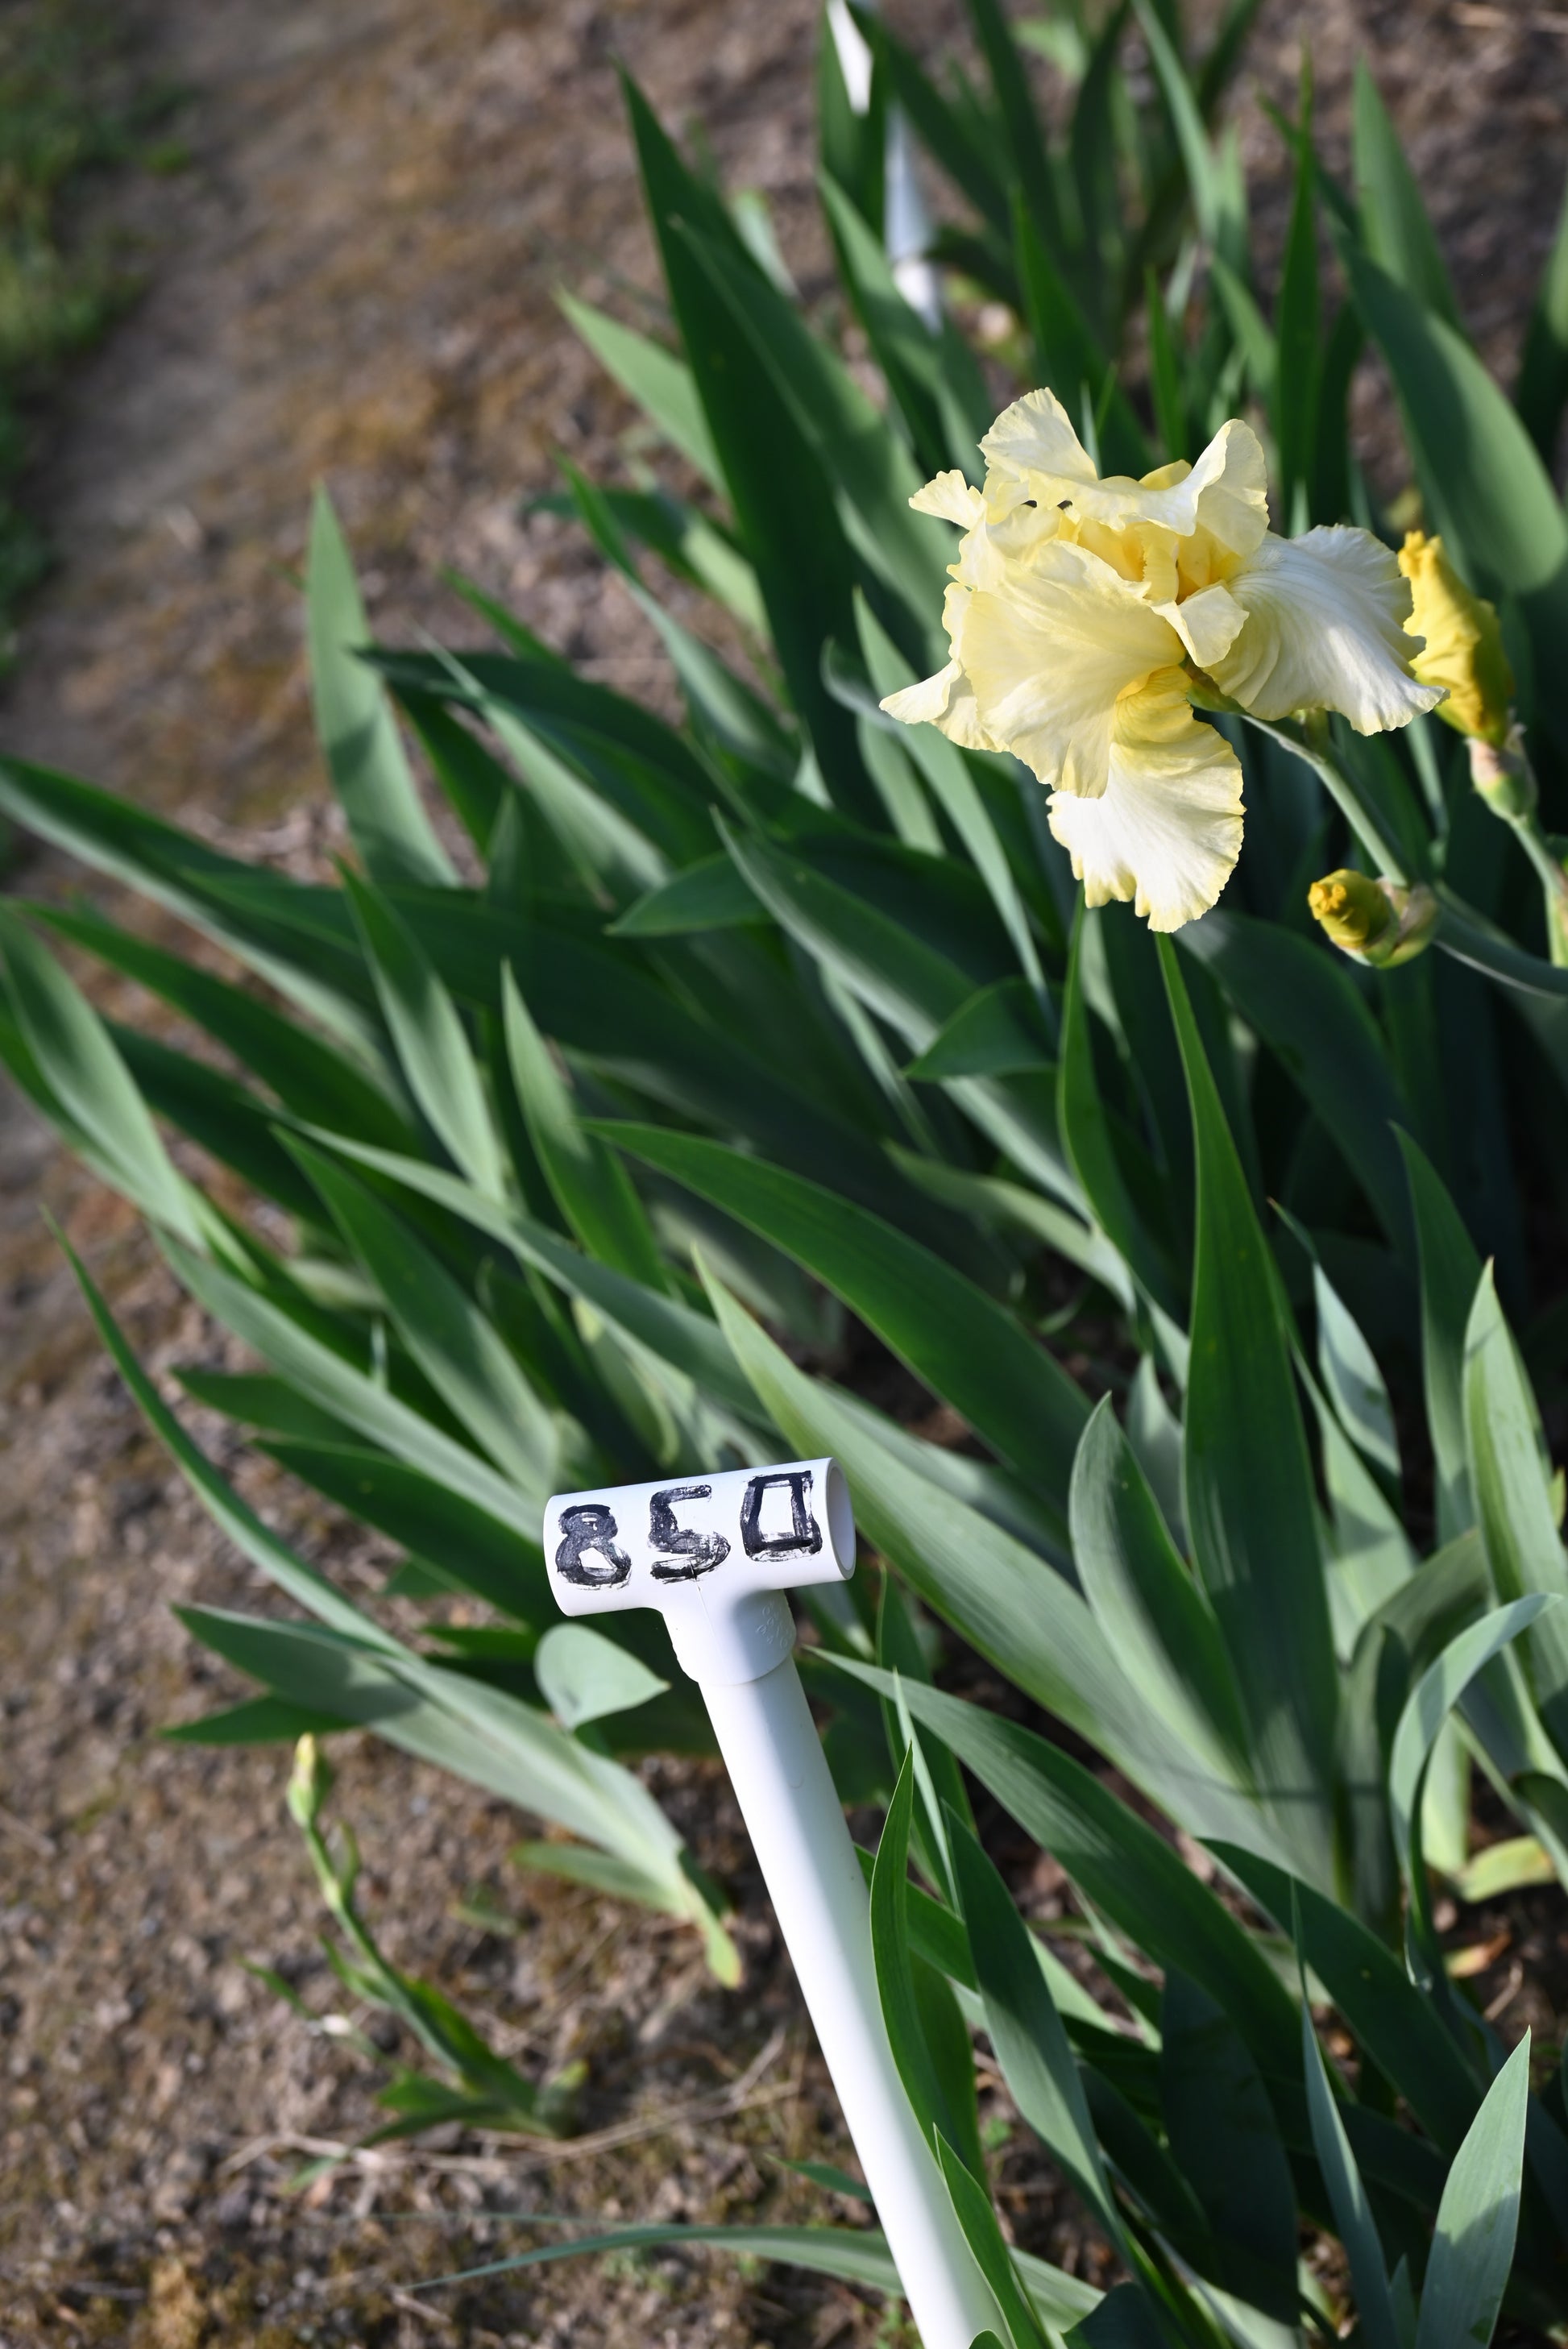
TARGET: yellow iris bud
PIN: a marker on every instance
(1352, 908)
(1463, 651)
(1379, 922)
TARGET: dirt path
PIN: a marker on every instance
(356, 279)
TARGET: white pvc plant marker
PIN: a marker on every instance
(715, 1556)
(906, 229)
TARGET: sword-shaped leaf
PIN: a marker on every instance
(1477, 2218)
(459, 1350)
(916, 989)
(1155, 1617)
(433, 1048)
(1543, 386)
(1223, 2138)
(1087, 1136)
(966, 1347)
(641, 767)
(1025, 2030)
(364, 754)
(1308, 1013)
(1298, 329)
(685, 1338)
(948, 777)
(1430, 1701)
(1392, 2020)
(76, 1057)
(1219, 203)
(177, 871)
(850, 440)
(783, 500)
(591, 1186)
(1349, 1371)
(1032, 165)
(920, 2028)
(348, 1393)
(974, 166)
(492, 1739)
(1511, 1481)
(237, 1126)
(584, 1676)
(433, 1523)
(482, 1733)
(1353, 2218)
(1394, 221)
(851, 2255)
(710, 895)
(308, 1075)
(1250, 1501)
(932, 372)
(993, 2253)
(659, 382)
(1451, 1275)
(1121, 1865)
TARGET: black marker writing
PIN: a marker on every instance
(804, 1538)
(687, 1552)
(585, 1529)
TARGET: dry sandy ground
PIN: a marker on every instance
(356, 279)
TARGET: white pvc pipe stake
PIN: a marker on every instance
(906, 231)
(715, 1555)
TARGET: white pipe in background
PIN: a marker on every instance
(906, 224)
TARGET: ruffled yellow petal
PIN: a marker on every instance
(1035, 455)
(1207, 623)
(1049, 649)
(1457, 642)
(945, 701)
(1035, 436)
(1167, 830)
(951, 498)
(924, 704)
(1324, 630)
(1224, 495)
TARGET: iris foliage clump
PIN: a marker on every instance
(599, 1107)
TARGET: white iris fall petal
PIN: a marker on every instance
(1080, 609)
(1324, 628)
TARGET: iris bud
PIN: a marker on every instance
(309, 1784)
(1463, 649)
(1379, 922)
(1505, 777)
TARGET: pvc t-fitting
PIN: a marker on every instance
(714, 1554)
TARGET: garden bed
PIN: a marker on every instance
(356, 278)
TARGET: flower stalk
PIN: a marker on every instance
(1308, 740)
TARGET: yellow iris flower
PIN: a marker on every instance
(1080, 609)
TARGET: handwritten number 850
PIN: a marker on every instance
(588, 1557)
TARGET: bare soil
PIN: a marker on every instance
(356, 279)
